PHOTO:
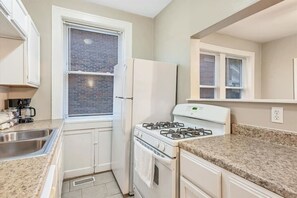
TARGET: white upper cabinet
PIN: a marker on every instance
(19, 16)
(33, 47)
(19, 46)
(13, 19)
(6, 6)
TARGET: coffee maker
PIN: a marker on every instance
(23, 111)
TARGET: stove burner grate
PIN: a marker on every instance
(183, 133)
(162, 125)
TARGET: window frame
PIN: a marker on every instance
(248, 69)
(217, 69)
(59, 16)
(67, 27)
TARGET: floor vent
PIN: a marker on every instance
(83, 181)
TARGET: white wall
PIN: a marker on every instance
(277, 68)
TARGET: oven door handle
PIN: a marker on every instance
(160, 158)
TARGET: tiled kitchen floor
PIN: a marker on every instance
(104, 186)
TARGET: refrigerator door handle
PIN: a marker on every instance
(124, 98)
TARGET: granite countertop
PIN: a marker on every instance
(272, 165)
(25, 177)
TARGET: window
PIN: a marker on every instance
(207, 75)
(60, 16)
(223, 73)
(92, 54)
(233, 77)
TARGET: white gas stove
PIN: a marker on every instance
(191, 121)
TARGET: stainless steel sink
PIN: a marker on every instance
(24, 135)
(13, 149)
(23, 144)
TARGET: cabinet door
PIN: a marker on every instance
(189, 190)
(33, 64)
(206, 175)
(11, 62)
(49, 188)
(59, 169)
(19, 16)
(6, 5)
(238, 187)
(78, 153)
(102, 150)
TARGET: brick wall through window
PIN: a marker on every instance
(94, 52)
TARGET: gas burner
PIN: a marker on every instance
(162, 125)
(183, 133)
(194, 132)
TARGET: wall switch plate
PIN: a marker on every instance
(277, 115)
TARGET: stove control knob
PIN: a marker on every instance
(158, 144)
(140, 135)
(162, 147)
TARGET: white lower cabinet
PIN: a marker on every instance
(201, 179)
(189, 190)
(54, 180)
(86, 151)
(78, 153)
(239, 187)
(102, 150)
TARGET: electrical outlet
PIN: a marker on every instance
(277, 115)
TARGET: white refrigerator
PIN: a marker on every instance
(144, 91)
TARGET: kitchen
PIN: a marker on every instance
(166, 37)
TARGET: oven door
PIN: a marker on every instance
(165, 177)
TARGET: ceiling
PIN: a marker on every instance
(270, 24)
(148, 8)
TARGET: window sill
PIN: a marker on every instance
(282, 101)
(107, 118)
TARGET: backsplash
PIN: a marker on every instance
(266, 134)
(3, 96)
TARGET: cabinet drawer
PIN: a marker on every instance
(201, 173)
(6, 5)
(189, 190)
(19, 16)
(239, 187)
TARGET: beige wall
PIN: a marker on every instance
(277, 68)
(240, 44)
(180, 20)
(173, 28)
(40, 11)
(3, 96)
(258, 114)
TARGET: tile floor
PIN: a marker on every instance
(104, 186)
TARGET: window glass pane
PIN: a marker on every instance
(89, 94)
(233, 93)
(207, 69)
(207, 92)
(233, 72)
(92, 51)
